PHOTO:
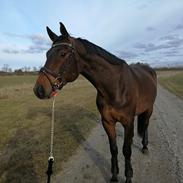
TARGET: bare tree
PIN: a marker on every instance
(9, 69)
(5, 67)
(34, 69)
(26, 69)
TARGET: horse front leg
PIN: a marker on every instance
(111, 132)
(128, 138)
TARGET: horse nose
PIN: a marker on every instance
(40, 92)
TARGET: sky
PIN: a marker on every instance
(149, 31)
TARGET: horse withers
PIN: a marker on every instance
(123, 91)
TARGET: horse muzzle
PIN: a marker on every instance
(39, 91)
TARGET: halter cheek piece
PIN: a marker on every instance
(59, 80)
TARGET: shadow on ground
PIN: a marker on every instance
(24, 158)
(99, 160)
(17, 160)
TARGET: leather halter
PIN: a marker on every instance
(59, 80)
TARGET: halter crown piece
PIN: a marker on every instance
(62, 44)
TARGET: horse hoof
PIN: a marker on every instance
(114, 178)
(145, 150)
(128, 180)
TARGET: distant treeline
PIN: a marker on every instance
(168, 68)
(26, 70)
(35, 71)
(18, 72)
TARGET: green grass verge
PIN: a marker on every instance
(173, 82)
(25, 127)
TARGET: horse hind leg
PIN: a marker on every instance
(142, 128)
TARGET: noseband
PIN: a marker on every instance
(59, 80)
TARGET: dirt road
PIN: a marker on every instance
(163, 164)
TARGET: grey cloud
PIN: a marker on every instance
(142, 6)
(140, 45)
(168, 37)
(149, 46)
(10, 51)
(149, 28)
(35, 49)
(152, 47)
(31, 50)
(175, 43)
(35, 38)
(38, 39)
(172, 53)
(39, 44)
(9, 34)
(166, 42)
(179, 26)
(127, 55)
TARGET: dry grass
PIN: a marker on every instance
(25, 127)
(173, 81)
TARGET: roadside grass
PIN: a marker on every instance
(172, 82)
(25, 127)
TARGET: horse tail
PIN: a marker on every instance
(140, 125)
(143, 121)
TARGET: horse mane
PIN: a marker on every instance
(94, 49)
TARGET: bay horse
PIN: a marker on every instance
(123, 91)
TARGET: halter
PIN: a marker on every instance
(56, 83)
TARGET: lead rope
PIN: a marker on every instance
(51, 158)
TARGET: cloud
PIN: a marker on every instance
(150, 29)
(149, 47)
(36, 49)
(168, 37)
(179, 27)
(127, 55)
(142, 6)
(172, 53)
(39, 39)
(35, 38)
(31, 50)
(39, 44)
(140, 45)
(10, 51)
(165, 42)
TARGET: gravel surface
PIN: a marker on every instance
(163, 163)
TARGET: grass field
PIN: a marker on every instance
(25, 127)
(173, 81)
(25, 124)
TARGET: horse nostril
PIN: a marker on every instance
(40, 91)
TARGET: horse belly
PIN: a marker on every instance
(113, 115)
(145, 101)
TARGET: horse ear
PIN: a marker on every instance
(63, 30)
(51, 34)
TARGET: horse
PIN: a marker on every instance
(123, 91)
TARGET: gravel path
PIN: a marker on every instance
(163, 164)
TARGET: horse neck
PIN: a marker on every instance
(102, 74)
